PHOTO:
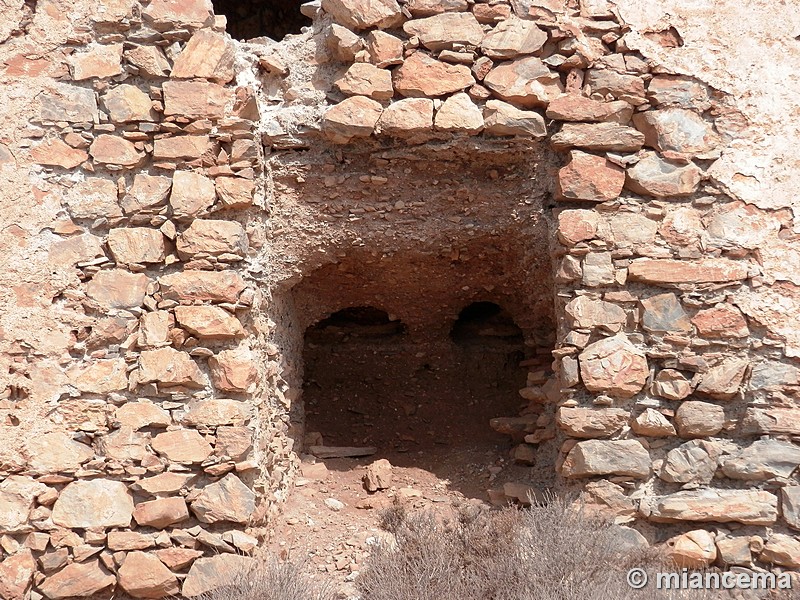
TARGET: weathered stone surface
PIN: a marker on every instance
(365, 79)
(734, 550)
(93, 198)
(655, 176)
(207, 574)
(772, 375)
(353, 117)
(137, 415)
(233, 370)
(585, 313)
(235, 442)
(227, 500)
(113, 150)
(181, 147)
(147, 191)
(55, 153)
(384, 49)
(217, 286)
(68, 103)
(130, 245)
(459, 114)
(165, 483)
(207, 55)
(600, 137)
(501, 118)
(446, 30)
(577, 225)
(763, 459)
(682, 227)
(614, 366)
(196, 99)
(725, 321)
(722, 381)
(154, 329)
(679, 91)
(164, 15)
(178, 558)
(676, 130)
(750, 507)
(126, 103)
(56, 452)
(79, 248)
(343, 43)
(423, 76)
(407, 117)
(123, 445)
(632, 229)
(97, 503)
(378, 475)
(208, 322)
(427, 8)
(621, 86)
(161, 513)
(691, 462)
(143, 575)
(608, 500)
(149, 60)
(129, 540)
(213, 413)
(607, 457)
(664, 314)
(598, 269)
(212, 238)
(575, 107)
(168, 366)
(693, 550)
(699, 419)
(591, 422)
(192, 194)
(790, 505)
(100, 376)
(652, 424)
(589, 177)
(182, 445)
(96, 62)
(364, 14)
(513, 37)
(781, 549)
(738, 225)
(666, 271)
(16, 574)
(77, 580)
(526, 82)
(17, 495)
(671, 384)
(235, 192)
(772, 421)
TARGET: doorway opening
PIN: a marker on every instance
(249, 19)
(422, 401)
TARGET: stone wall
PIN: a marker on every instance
(150, 376)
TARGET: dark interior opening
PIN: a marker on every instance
(423, 399)
(355, 322)
(249, 19)
(485, 323)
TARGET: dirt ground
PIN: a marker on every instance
(425, 408)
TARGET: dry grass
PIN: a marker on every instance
(549, 552)
(272, 580)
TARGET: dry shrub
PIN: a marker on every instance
(272, 580)
(551, 551)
